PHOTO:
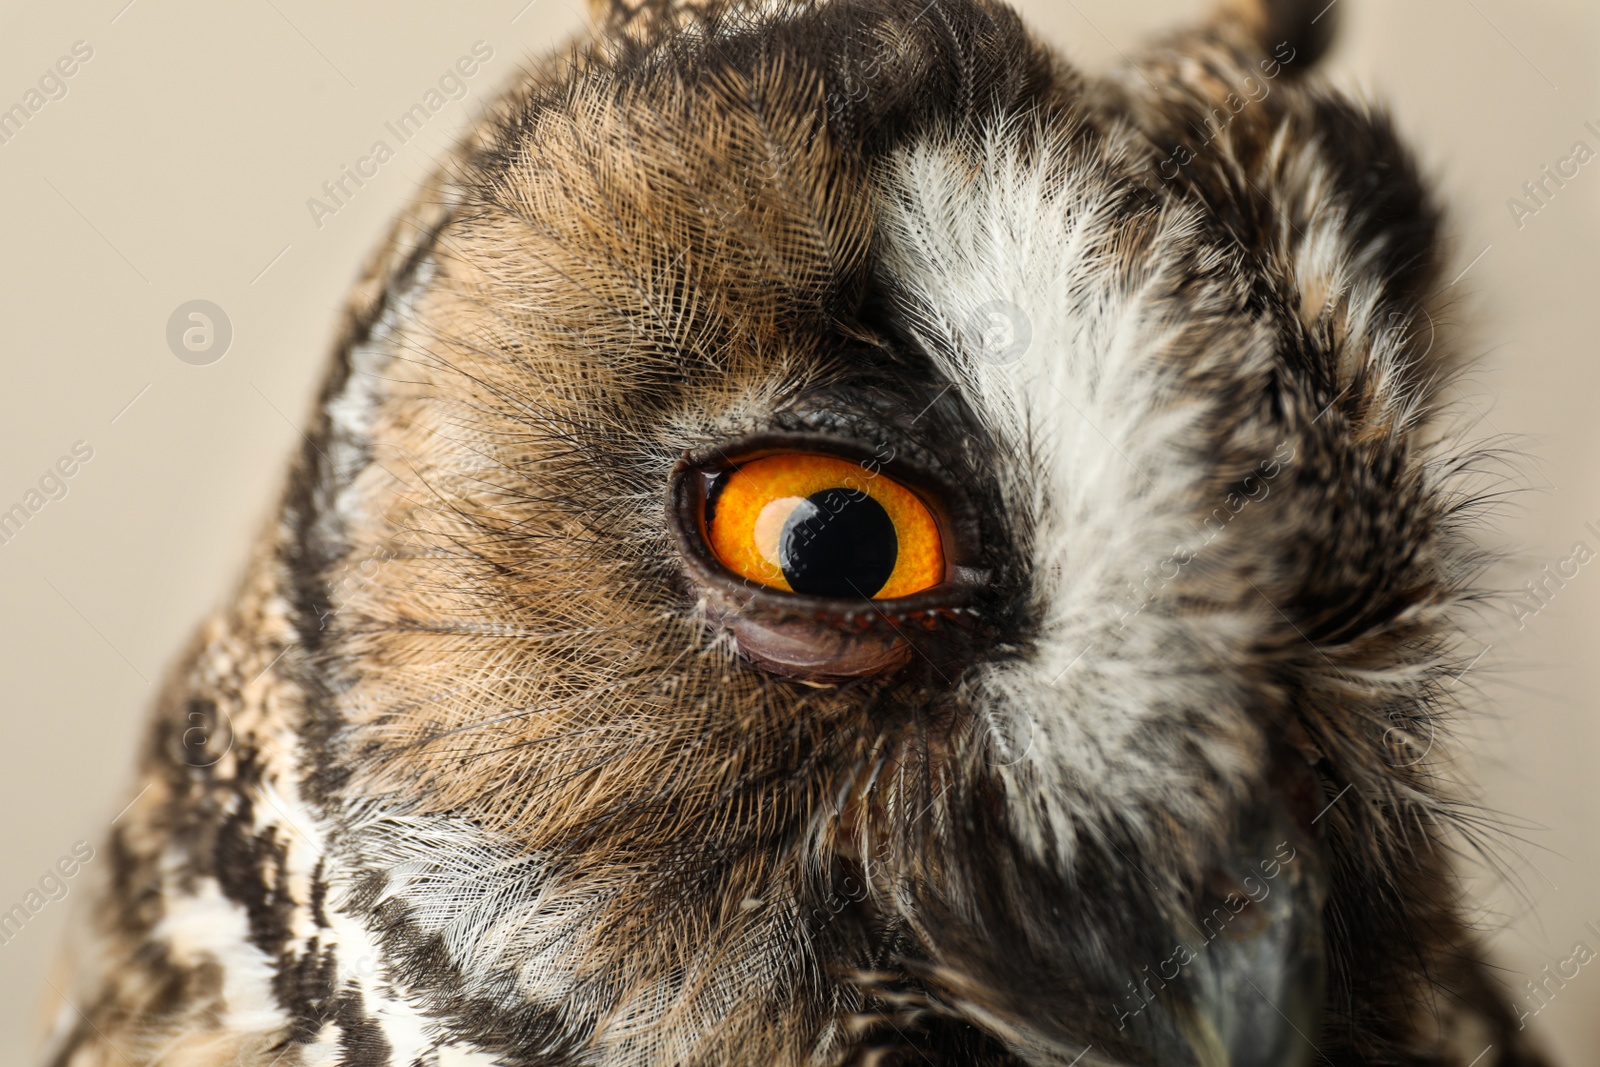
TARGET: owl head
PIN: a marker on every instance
(834, 536)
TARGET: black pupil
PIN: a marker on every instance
(839, 542)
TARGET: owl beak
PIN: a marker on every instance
(1240, 982)
(1258, 971)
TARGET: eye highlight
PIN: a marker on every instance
(822, 526)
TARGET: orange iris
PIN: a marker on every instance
(823, 526)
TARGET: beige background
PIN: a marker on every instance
(178, 167)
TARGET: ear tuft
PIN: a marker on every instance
(1306, 26)
(643, 20)
(646, 18)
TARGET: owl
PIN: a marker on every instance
(834, 537)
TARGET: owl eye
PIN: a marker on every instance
(823, 526)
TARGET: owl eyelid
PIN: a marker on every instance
(951, 506)
(814, 638)
(878, 453)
